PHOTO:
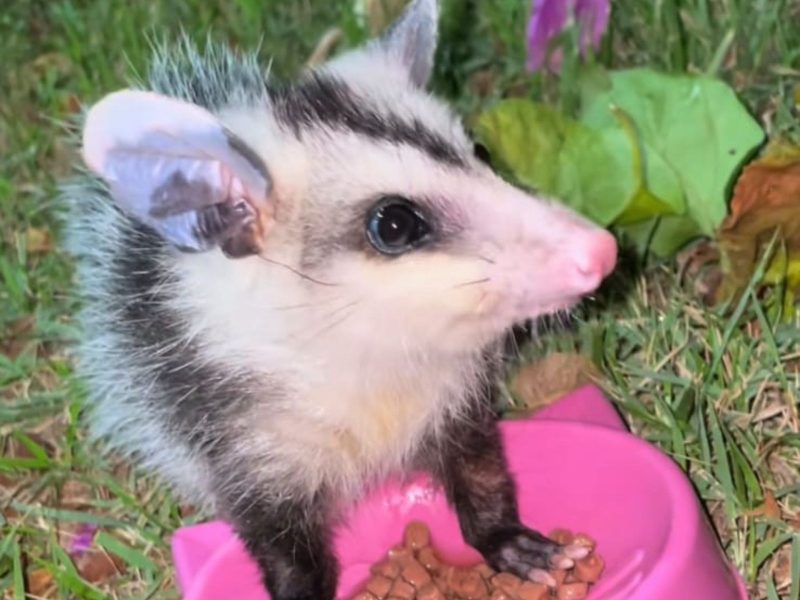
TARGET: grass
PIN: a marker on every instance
(717, 389)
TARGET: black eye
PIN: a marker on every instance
(395, 225)
(481, 153)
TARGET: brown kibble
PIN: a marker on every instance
(507, 582)
(417, 536)
(379, 586)
(413, 571)
(581, 539)
(465, 583)
(400, 554)
(427, 557)
(561, 536)
(430, 591)
(387, 568)
(573, 591)
(533, 591)
(560, 575)
(473, 587)
(415, 574)
(589, 568)
(485, 571)
(402, 589)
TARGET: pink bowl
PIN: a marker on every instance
(575, 466)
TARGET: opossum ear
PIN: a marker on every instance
(411, 39)
(173, 166)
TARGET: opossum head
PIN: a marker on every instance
(360, 186)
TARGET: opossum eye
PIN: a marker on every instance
(395, 225)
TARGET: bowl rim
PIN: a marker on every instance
(686, 519)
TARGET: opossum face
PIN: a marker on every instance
(365, 188)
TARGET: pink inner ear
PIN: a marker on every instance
(165, 160)
(124, 119)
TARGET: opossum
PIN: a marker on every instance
(294, 291)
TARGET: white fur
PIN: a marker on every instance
(378, 354)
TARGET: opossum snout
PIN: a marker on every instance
(592, 257)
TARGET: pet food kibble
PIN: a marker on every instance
(507, 582)
(400, 554)
(387, 568)
(573, 591)
(402, 589)
(589, 568)
(430, 591)
(581, 539)
(561, 536)
(533, 591)
(413, 571)
(416, 536)
(379, 586)
(428, 559)
(473, 587)
(485, 571)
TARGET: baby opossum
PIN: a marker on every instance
(292, 292)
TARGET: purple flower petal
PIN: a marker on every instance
(82, 540)
(593, 17)
(550, 17)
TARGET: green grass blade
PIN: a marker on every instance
(130, 555)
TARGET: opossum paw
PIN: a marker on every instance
(528, 554)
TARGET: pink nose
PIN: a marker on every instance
(594, 256)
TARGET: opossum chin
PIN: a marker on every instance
(537, 311)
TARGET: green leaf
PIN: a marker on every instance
(663, 237)
(595, 172)
(695, 124)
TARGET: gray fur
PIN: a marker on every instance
(412, 39)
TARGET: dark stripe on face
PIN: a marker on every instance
(324, 100)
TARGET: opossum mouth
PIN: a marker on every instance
(554, 307)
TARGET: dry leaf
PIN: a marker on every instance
(16, 337)
(769, 509)
(698, 264)
(39, 582)
(96, 565)
(75, 495)
(766, 200)
(543, 382)
(38, 241)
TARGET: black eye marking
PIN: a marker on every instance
(396, 225)
(482, 153)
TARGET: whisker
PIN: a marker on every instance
(485, 259)
(303, 305)
(474, 282)
(328, 328)
(296, 272)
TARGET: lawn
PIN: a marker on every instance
(716, 388)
